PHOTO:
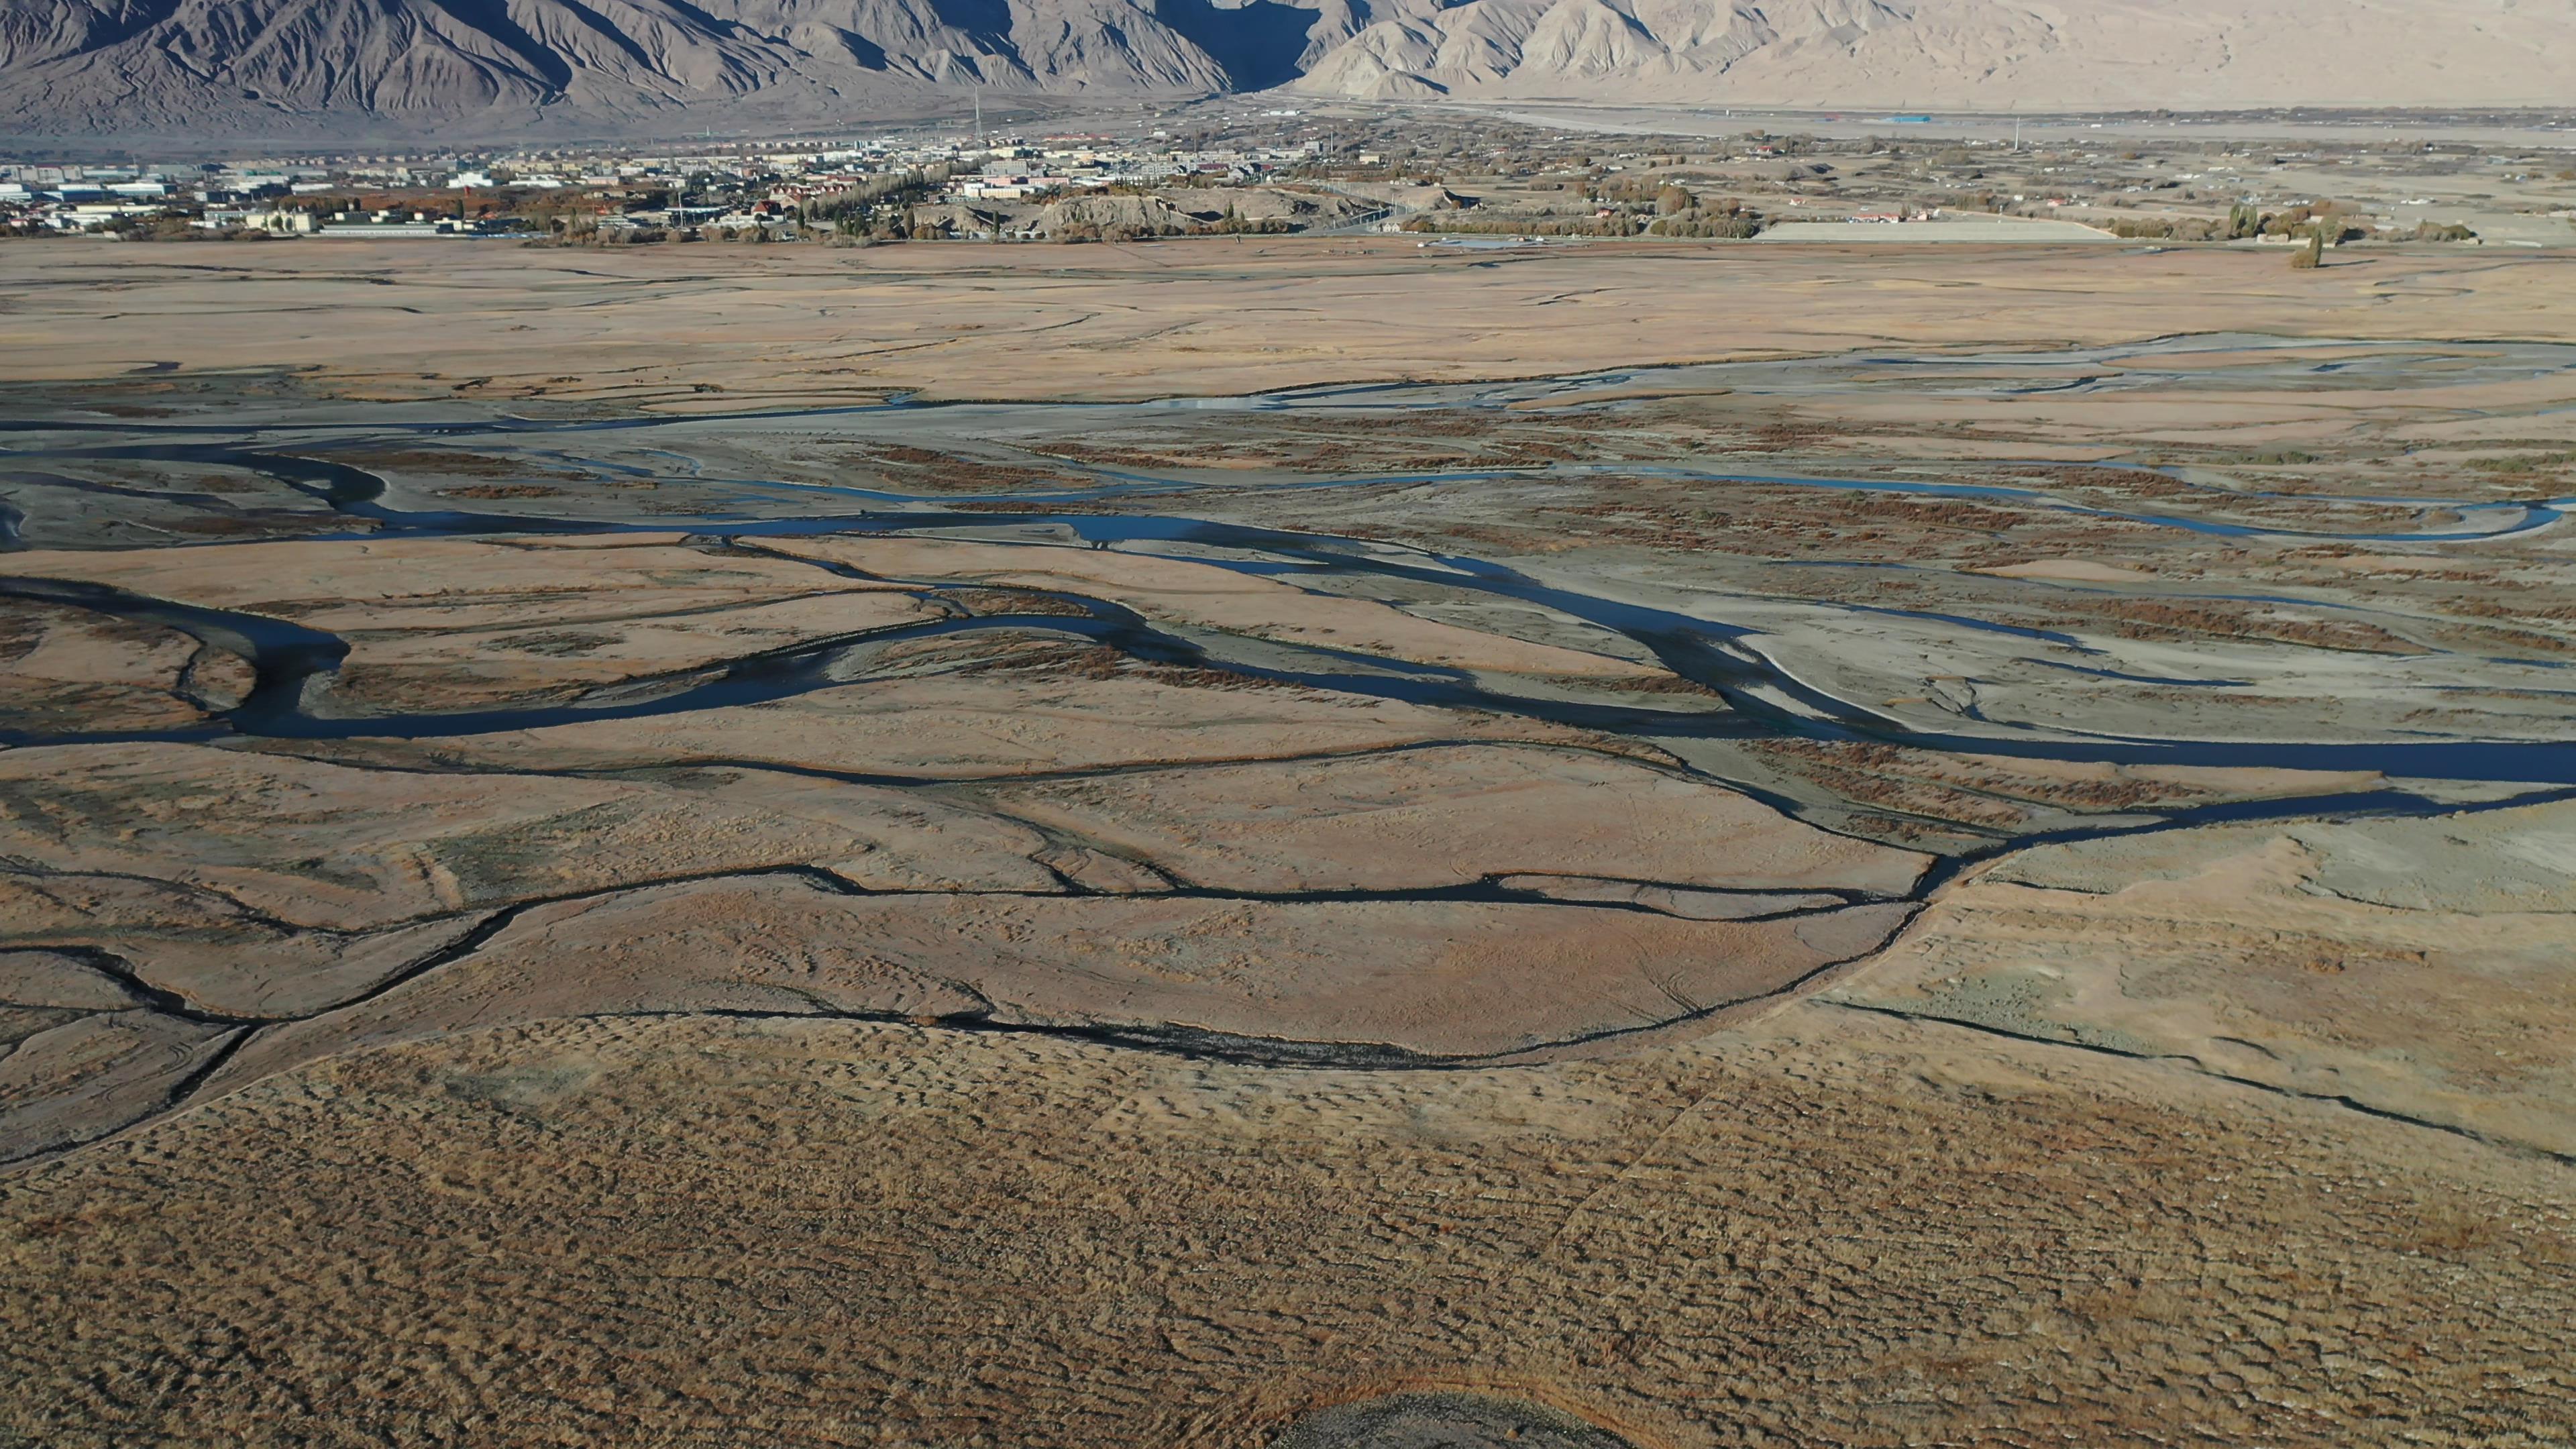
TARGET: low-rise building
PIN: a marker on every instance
(281, 223)
(386, 225)
(81, 216)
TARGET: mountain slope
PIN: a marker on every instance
(1980, 54)
(160, 65)
(348, 68)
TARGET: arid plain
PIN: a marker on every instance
(1307, 842)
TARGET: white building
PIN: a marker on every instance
(282, 223)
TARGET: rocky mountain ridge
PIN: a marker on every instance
(429, 67)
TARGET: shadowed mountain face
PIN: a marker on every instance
(165, 67)
(280, 65)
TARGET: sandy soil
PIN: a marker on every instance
(733, 327)
(1834, 1229)
(2410, 968)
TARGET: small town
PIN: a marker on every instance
(889, 189)
(1280, 171)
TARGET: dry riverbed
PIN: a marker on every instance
(1879, 850)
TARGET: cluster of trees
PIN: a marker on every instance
(880, 206)
(1092, 231)
(1619, 189)
(2326, 219)
(1528, 225)
(1664, 195)
(1679, 213)
(2168, 228)
(1634, 205)
(1743, 227)
(2319, 226)
(1231, 225)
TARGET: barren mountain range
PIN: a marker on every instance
(356, 67)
